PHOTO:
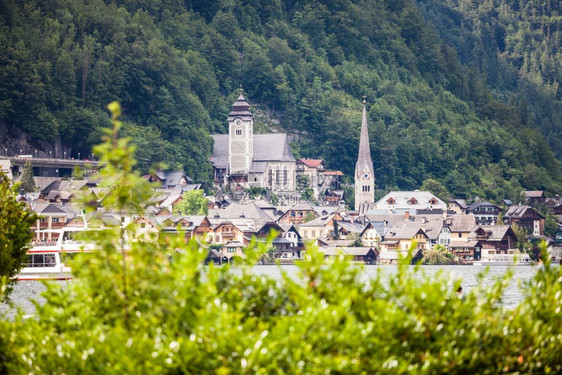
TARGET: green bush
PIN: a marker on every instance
(146, 311)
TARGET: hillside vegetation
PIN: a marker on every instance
(176, 67)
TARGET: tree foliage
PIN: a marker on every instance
(193, 202)
(27, 179)
(437, 255)
(15, 233)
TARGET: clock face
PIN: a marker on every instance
(365, 175)
(238, 122)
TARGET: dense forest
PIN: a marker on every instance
(446, 101)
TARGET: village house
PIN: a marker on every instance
(461, 226)
(437, 231)
(321, 227)
(495, 239)
(225, 232)
(534, 197)
(458, 206)
(232, 249)
(463, 250)
(297, 213)
(485, 213)
(372, 233)
(398, 240)
(526, 217)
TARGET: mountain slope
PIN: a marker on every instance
(176, 67)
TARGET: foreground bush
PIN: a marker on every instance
(157, 310)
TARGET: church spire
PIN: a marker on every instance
(364, 171)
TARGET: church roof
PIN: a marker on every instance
(267, 147)
(240, 108)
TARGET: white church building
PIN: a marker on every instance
(242, 159)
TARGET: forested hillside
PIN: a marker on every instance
(516, 46)
(176, 66)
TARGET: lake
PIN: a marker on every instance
(26, 291)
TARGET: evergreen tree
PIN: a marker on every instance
(27, 179)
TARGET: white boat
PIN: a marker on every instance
(511, 258)
(45, 259)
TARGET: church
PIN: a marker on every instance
(242, 159)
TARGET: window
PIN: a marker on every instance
(433, 201)
(143, 225)
(238, 131)
(40, 260)
(270, 178)
(391, 201)
(366, 188)
(413, 201)
(231, 249)
(55, 219)
(284, 177)
(277, 177)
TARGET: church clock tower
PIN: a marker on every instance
(240, 138)
(364, 171)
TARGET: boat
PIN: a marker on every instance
(509, 258)
(48, 252)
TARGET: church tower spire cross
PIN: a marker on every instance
(364, 170)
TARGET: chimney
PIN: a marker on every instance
(407, 215)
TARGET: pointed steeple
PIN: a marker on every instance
(364, 171)
(364, 157)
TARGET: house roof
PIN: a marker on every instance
(321, 221)
(311, 163)
(332, 173)
(405, 231)
(494, 232)
(170, 200)
(235, 210)
(517, 212)
(258, 166)
(351, 251)
(476, 205)
(534, 193)
(461, 223)
(401, 199)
